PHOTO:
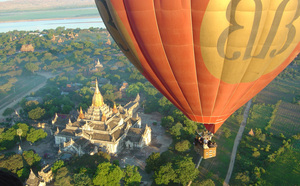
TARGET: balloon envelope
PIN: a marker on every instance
(207, 57)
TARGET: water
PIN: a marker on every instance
(82, 23)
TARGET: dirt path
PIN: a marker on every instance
(17, 98)
(236, 144)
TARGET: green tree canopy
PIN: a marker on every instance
(242, 178)
(36, 113)
(35, 135)
(57, 165)
(8, 138)
(8, 111)
(176, 130)
(153, 162)
(81, 179)
(63, 177)
(107, 174)
(132, 175)
(207, 182)
(132, 90)
(31, 67)
(12, 163)
(31, 158)
(24, 127)
(165, 174)
(182, 146)
(167, 121)
(185, 170)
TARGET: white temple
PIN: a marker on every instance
(103, 128)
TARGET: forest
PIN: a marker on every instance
(71, 55)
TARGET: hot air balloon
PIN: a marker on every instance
(208, 57)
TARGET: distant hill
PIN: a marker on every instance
(16, 5)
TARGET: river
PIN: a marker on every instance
(32, 25)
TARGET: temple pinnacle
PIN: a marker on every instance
(97, 98)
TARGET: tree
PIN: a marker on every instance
(167, 121)
(268, 148)
(35, 135)
(29, 105)
(24, 127)
(165, 174)
(262, 137)
(182, 146)
(282, 136)
(190, 127)
(185, 171)
(207, 182)
(12, 163)
(8, 138)
(108, 87)
(243, 178)
(8, 111)
(36, 113)
(227, 132)
(57, 165)
(256, 154)
(132, 90)
(153, 162)
(62, 177)
(132, 175)
(23, 173)
(31, 67)
(176, 130)
(31, 158)
(107, 174)
(258, 171)
(178, 116)
(66, 109)
(81, 179)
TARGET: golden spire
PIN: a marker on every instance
(97, 98)
(103, 117)
(81, 115)
(115, 110)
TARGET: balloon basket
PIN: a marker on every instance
(204, 146)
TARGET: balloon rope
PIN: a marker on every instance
(190, 182)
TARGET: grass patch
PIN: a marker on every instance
(286, 120)
(280, 89)
(259, 116)
(286, 169)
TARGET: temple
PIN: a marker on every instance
(98, 64)
(103, 128)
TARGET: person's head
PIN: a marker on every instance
(9, 179)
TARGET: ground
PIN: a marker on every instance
(159, 143)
